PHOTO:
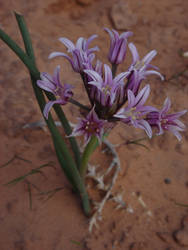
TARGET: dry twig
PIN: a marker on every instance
(99, 206)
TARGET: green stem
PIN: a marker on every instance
(91, 146)
(67, 128)
(89, 149)
(26, 36)
(64, 157)
(114, 69)
(63, 154)
(71, 100)
(30, 52)
(20, 53)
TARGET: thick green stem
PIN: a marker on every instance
(89, 149)
(91, 146)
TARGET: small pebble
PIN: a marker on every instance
(84, 2)
(122, 16)
(167, 181)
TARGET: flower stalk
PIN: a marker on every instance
(86, 155)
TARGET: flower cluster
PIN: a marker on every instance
(112, 97)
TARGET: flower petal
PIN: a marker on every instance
(94, 75)
(134, 52)
(127, 34)
(147, 58)
(153, 72)
(142, 95)
(108, 75)
(110, 33)
(56, 76)
(120, 77)
(90, 39)
(80, 44)
(166, 106)
(68, 43)
(131, 98)
(45, 85)
(145, 125)
(175, 132)
(48, 107)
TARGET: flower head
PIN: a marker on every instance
(139, 68)
(164, 121)
(118, 45)
(52, 84)
(135, 113)
(82, 56)
(105, 89)
(90, 126)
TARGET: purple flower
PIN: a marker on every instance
(52, 84)
(82, 56)
(135, 113)
(90, 126)
(139, 68)
(105, 89)
(118, 45)
(164, 121)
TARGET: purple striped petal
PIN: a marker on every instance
(142, 95)
(145, 125)
(167, 105)
(90, 39)
(131, 98)
(80, 43)
(48, 106)
(70, 45)
(126, 34)
(153, 72)
(119, 78)
(134, 52)
(94, 75)
(176, 115)
(108, 74)
(45, 85)
(56, 76)
(175, 132)
(147, 58)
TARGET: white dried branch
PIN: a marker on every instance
(42, 124)
(99, 206)
(91, 171)
(39, 124)
(98, 177)
(119, 200)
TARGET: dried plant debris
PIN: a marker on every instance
(39, 124)
(98, 206)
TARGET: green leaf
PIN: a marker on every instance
(33, 171)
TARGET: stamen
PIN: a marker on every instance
(139, 65)
(106, 90)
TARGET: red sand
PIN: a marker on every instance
(59, 224)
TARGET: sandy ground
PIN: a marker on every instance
(152, 181)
